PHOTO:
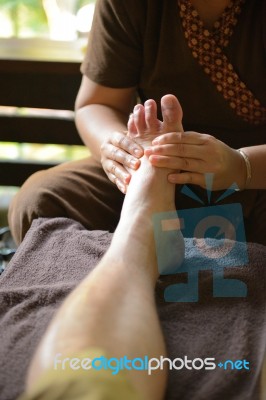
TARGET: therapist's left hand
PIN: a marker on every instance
(195, 154)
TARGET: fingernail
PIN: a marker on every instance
(148, 151)
(156, 141)
(171, 178)
(137, 152)
(133, 163)
(121, 187)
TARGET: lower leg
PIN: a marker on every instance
(114, 307)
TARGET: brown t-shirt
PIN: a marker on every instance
(141, 43)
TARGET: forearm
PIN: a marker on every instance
(96, 123)
(257, 158)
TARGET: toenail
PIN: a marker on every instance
(137, 108)
(169, 103)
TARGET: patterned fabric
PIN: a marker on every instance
(207, 48)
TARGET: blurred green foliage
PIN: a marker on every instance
(30, 16)
(29, 13)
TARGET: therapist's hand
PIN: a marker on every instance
(117, 154)
(196, 154)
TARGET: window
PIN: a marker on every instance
(61, 26)
(53, 19)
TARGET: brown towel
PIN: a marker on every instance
(57, 253)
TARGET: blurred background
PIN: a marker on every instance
(41, 29)
(52, 19)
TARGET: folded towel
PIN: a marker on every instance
(58, 253)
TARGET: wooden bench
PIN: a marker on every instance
(47, 89)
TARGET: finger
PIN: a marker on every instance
(126, 143)
(116, 154)
(186, 178)
(185, 138)
(117, 170)
(178, 150)
(120, 185)
(180, 163)
(165, 162)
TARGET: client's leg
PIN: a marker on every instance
(114, 307)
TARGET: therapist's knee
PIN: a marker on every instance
(33, 200)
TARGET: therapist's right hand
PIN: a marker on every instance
(119, 155)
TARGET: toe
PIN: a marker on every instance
(153, 124)
(131, 127)
(139, 119)
(172, 114)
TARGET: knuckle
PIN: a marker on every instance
(104, 163)
(112, 178)
(186, 164)
(180, 149)
(120, 140)
(159, 150)
(175, 136)
(108, 165)
(131, 146)
(102, 147)
(129, 161)
(114, 153)
(109, 176)
(189, 179)
(166, 161)
(209, 139)
(113, 169)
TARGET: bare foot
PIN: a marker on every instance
(144, 126)
(149, 191)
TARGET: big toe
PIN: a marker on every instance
(172, 114)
